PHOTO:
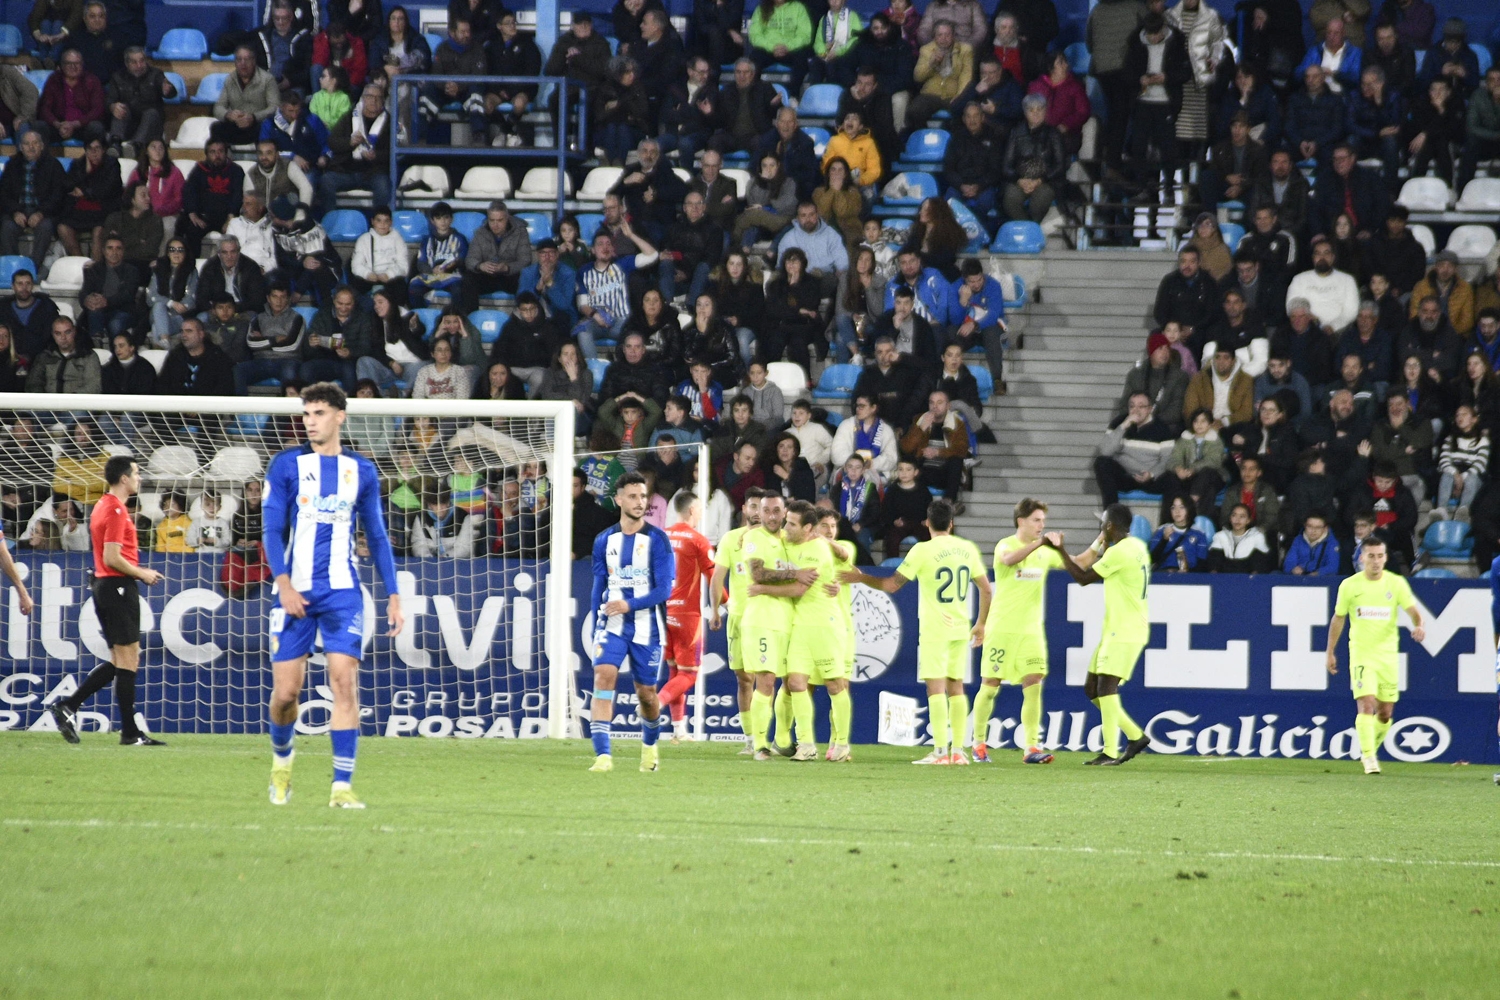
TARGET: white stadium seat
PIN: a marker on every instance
(1482, 194)
(1426, 194)
(66, 275)
(193, 133)
(598, 182)
(436, 179)
(1472, 242)
(484, 182)
(237, 463)
(541, 183)
(1423, 235)
(789, 377)
(173, 461)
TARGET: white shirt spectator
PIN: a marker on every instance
(1334, 297)
(376, 254)
(257, 240)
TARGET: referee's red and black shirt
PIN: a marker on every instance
(111, 522)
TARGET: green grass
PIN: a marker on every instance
(486, 869)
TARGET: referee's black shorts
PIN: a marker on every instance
(117, 603)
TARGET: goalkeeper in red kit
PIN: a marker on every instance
(685, 609)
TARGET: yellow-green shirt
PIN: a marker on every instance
(1020, 590)
(846, 590)
(944, 568)
(727, 556)
(1126, 569)
(764, 611)
(815, 608)
(1373, 609)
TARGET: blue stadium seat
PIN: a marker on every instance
(411, 225)
(1482, 53)
(1019, 302)
(1098, 107)
(1448, 540)
(176, 80)
(1141, 528)
(588, 225)
(599, 368)
(488, 322)
(10, 40)
(925, 145)
(467, 223)
(1080, 60)
(209, 88)
(835, 384)
(9, 265)
(979, 238)
(1019, 237)
(1232, 232)
(986, 382)
(434, 40)
(429, 318)
(306, 312)
(1436, 573)
(187, 44)
(819, 136)
(821, 100)
(345, 225)
(250, 424)
(1139, 496)
(38, 78)
(740, 160)
(1206, 526)
(540, 224)
(891, 563)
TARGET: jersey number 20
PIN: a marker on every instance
(946, 592)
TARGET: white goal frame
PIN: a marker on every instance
(558, 643)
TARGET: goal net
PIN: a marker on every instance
(479, 510)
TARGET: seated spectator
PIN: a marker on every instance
(695, 406)
(939, 439)
(781, 32)
(50, 23)
(834, 39)
(496, 383)
(1252, 96)
(1487, 336)
(1310, 349)
(139, 229)
(1396, 55)
(768, 407)
(299, 135)
(771, 203)
(857, 306)
(1435, 128)
(231, 273)
(620, 111)
(250, 96)
(1406, 442)
(110, 294)
(712, 341)
(962, 388)
(1281, 382)
(589, 517)
(107, 32)
(1376, 118)
(227, 328)
(1239, 331)
(691, 250)
(786, 473)
(498, 253)
(1316, 118)
(1396, 254)
(18, 100)
(945, 67)
(937, 236)
(171, 533)
(442, 379)
(650, 191)
(1195, 469)
(1271, 438)
(213, 192)
(1134, 452)
(904, 508)
(400, 345)
(274, 344)
(794, 148)
(440, 258)
(892, 378)
(793, 323)
(1287, 197)
(1213, 253)
(13, 364)
(1187, 296)
(814, 437)
(1479, 387)
(1034, 164)
(136, 98)
(1482, 134)
(444, 531)
(978, 317)
(687, 114)
(1177, 546)
(1392, 309)
(339, 343)
(1331, 294)
(1240, 547)
(71, 104)
(1222, 389)
(1338, 58)
(380, 259)
(604, 302)
(337, 46)
(974, 161)
(746, 109)
(305, 256)
(1430, 336)
(127, 373)
(741, 300)
(1365, 338)
(839, 201)
(360, 145)
(631, 372)
(255, 230)
(741, 428)
(1235, 166)
(856, 146)
(271, 177)
(933, 297)
(867, 435)
(1463, 465)
(196, 366)
(740, 471)
(527, 343)
(331, 104)
(33, 188)
(28, 315)
(1158, 377)
(1451, 60)
(93, 182)
(822, 246)
(1391, 504)
(172, 294)
(1175, 339)
(1068, 108)
(459, 56)
(856, 497)
(1352, 190)
(284, 46)
(1454, 295)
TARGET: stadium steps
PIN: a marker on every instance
(1082, 335)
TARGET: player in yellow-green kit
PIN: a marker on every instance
(945, 567)
(766, 626)
(1371, 602)
(729, 565)
(1123, 563)
(817, 623)
(1015, 639)
(841, 706)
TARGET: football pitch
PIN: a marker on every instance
(490, 869)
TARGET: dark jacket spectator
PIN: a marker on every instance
(127, 283)
(1190, 301)
(77, 371)
(214, 192)
(644, 378)
(1321, 118)
(893, 389)
(208, 373)
(86, 97)
(1400, 258)
(33, 334)
(1176, 66)
(137, 378)
(297, 65)
(798, 159)
(1042, 144)
(1362, 189)
(973, 157)
(1440, 348)
(249, 284)
(584, 60)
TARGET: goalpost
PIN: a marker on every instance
(479, 507)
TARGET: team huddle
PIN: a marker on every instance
(790, 621)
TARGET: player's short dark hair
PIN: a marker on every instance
(117, 468)
(828, 514)
(630, 479)
(326, 392)
(806, 512)
(940, 514)
(683, 501)
(1373, 540)
(1027, 507)
(770, 495)
(1118, 515)
(755, 493)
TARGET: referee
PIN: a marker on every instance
(117, 602)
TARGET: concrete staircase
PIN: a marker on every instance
(1080, 339)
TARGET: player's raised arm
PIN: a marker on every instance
(1082, 574)
(889, 584)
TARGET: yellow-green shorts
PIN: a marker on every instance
(818, 652)
(732, 633)
(1117, 659)
(947, 658)
(1368, 678)
(1011, 656)
(763, 650)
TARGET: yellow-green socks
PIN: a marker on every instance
(1365, 726)
(1031, 714)
(783, 718)
(958, 719)
(937, 715)
(840, 716)
(1381, 728)
(1116, 721)
(984, 707)
(760, 718)
(802, 714)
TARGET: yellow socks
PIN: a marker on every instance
(958, 719)
(937, 715)
(1031, 715)
(984, 707)
(1115, 722)
(1365, 726)
(760, 718)
(1381, 728)
(802, 714)
(840, 715)
(783, 718)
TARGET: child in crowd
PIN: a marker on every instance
(173, 529)
(210, 530)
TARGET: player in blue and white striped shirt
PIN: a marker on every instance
(634, 569)
(316, 494)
